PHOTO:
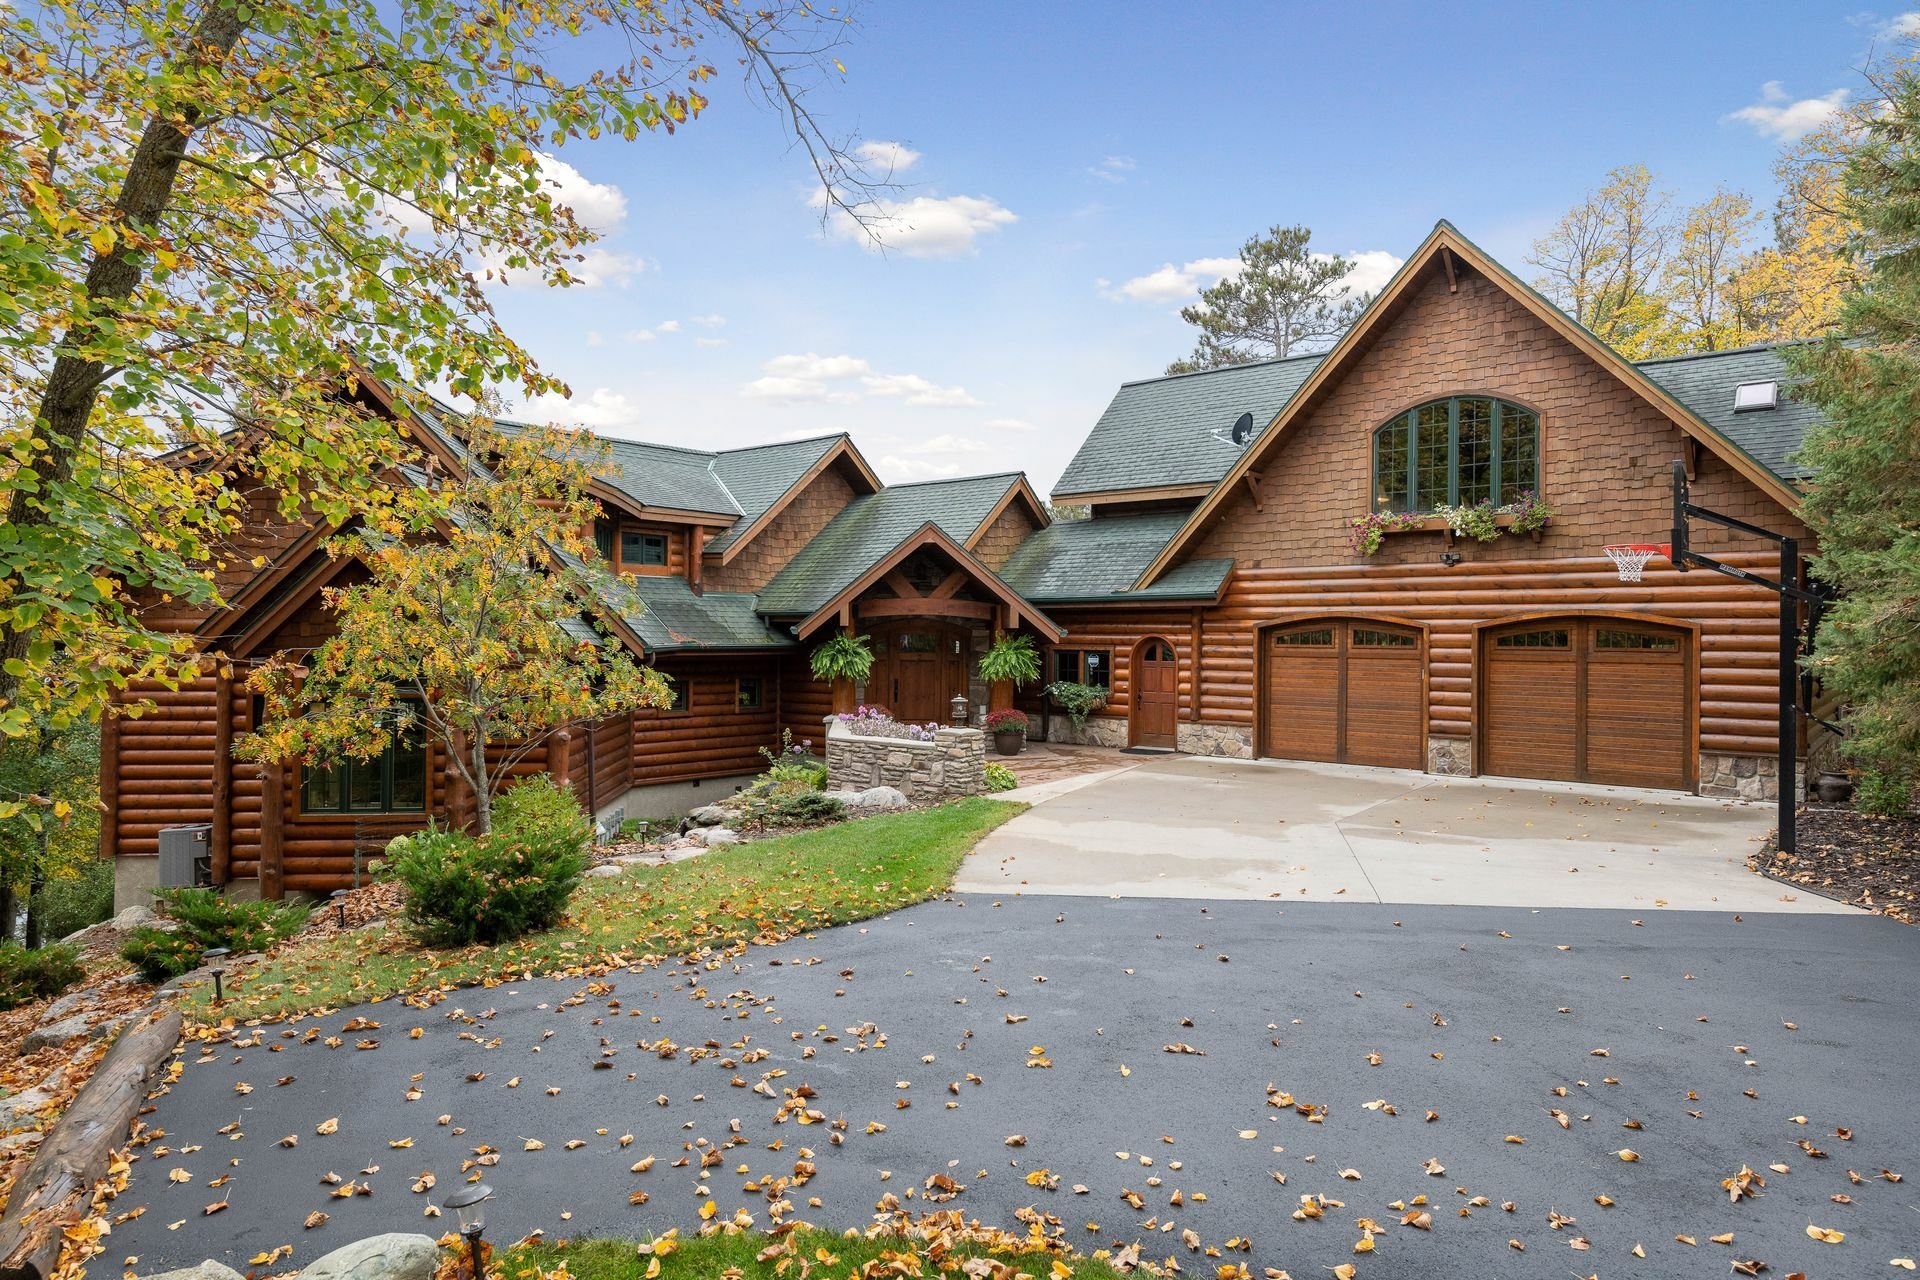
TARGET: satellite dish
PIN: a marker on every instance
(1242, 428)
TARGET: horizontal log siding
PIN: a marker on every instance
(804, 702)
(163, 764)
(1118, 631)
(713, 738)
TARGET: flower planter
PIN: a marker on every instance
(1010, 743)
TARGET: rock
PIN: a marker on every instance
(132, 918)
(394, 1256)
(711, 836)
(22, 1107)
(709, 815)
(208, 1270)
(71, 1002)
(877, 798)
(65, 1029)
(605, 871)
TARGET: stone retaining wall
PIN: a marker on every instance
(953, 764)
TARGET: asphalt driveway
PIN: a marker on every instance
(1189, 827)
(1492, 1060)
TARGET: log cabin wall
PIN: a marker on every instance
(805, 702)
(714, 737)
(678, 536)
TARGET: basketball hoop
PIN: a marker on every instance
(1631, 557)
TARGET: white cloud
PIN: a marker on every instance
(895, 469)
(709, 342)
(1114, 168)
(1904, 26)
(599, 409)
(887, 158)
(925, 226)
(709, 322)
(1009, 424)
(1778, 116)
(640, 335)
(1372, 268)
(915, 389)
(816, 378)
(952, 444)
(600, 207)
(667, 326)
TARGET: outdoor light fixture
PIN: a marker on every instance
(339, 897)
(469, 1203)
(959, 708)
(217, 954)
(1449, 558)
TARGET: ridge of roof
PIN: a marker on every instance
(1749, 349)
(1222, 368)
(1008, 476)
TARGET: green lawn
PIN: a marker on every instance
(764, 891)
(823, 1252)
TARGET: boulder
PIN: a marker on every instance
(208, 1270)
(605, 871)
(712, 836)
(62, 1030)
(132, 918)
(71, 1002)
(708, 815)
(874, 799)
(397, 1255)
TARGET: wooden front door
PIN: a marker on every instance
(1605, 700)
(1155, 694)
(918, 668)
(1346, 691)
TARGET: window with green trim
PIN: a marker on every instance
(603, 538)
(1458, 452)
(642, 548)
(395, 781)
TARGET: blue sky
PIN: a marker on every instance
(1074, 167)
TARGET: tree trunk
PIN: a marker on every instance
(67, 403)
(482, 785)
(6, 907)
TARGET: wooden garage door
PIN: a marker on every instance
(1587, 700)
(1346, 691)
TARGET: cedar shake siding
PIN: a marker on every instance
(797, 524)
(1004, 536)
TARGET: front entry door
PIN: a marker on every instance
(1155, 691)
(918, 668)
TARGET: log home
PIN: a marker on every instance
(1214, 591)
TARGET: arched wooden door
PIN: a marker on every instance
(1346, 691)
(1154, 694)
(1593, 699)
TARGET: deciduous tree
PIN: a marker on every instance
(1283, 299)
(489, 627)
(1601, 261)
(208, 206)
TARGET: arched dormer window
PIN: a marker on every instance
(1458, 451)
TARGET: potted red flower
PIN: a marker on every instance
(1009, 730)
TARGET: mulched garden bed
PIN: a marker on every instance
(1870, 862)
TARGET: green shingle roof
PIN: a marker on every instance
(870, 527)
(675, 618)
(1705, 385)
(1099, 559)
(760, 476)
(659, 475)
(1177, 430)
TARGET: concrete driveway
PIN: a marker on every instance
(1188, 827)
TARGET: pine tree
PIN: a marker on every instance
(1864, 503)
(1284, 299)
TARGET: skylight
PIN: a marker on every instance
(1749, 396)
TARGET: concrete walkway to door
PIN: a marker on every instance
(1192, 827)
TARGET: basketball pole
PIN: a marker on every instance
(1792, 595)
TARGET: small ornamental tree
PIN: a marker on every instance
(488, 628)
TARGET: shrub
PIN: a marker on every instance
(1881, 794)
(536, 806)
(511, 882)
(34, 975)
(1008, 721)
(211, 919)
(68, 904)
(795, 762)
(804, 808)
(160, 954)
(1000, 778)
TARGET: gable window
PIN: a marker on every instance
(395, 781)
(603, 538)
(747, 693)
(1091, 667)
(642, 548)
(1458, 452)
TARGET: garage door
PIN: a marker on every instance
(1587, 700)
(1346, 691)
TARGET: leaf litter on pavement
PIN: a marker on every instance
(779, 1122)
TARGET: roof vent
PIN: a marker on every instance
(1749, 396)
(1242, 428)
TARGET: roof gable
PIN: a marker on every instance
(931, 535)
(763, 478)
(1445, 249)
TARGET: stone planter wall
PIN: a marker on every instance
(953, 764)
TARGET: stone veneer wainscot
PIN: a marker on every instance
(953, 764)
